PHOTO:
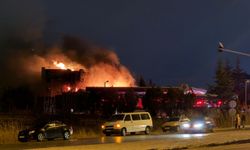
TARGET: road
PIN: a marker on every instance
(156, 141)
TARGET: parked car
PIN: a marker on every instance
(49, 131)
(131, 122)
(174, 123)
(198, 124)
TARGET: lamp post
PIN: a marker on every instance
(106, 83)
(221, 48)
(246, 84)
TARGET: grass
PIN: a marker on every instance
(85, 133)
(9, 131)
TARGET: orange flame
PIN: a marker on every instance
(99, 74)
(60, 65)
(95, 74)
(103, 75)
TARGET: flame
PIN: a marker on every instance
(99, 74)
(95, 73)
(60, 65)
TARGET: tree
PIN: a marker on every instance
(224, 83)
(141, 82)
(239, 77)
(18, 98)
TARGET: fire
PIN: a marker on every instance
(59, 65)
(102, 75)
(99, 74)
(96, 72)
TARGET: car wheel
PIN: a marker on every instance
(147, 130)
(123, 132)
(210, 130)
(66, 135)
(40, 137)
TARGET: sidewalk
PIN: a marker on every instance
(247, 127)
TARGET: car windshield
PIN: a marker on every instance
(116, 117)
(39, 125)
(42, 124)
(174, 119)
(198, 118)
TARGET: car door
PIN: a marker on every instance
(58, 130)
(136, 122)
(128, 123)
(49, 130)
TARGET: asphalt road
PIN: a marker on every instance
(101, 140)
(165, 138)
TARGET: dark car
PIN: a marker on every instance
(49, 131)
(199, 124)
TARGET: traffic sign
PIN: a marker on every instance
(232, 104)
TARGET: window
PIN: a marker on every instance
(50, 125)
(127, 118)
(116, 117)
(136, 117)
(145, 116)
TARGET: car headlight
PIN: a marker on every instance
(31, 132)
(208, 122)
(71, 130)
(117, 125)
(186, 125)
(198, 125)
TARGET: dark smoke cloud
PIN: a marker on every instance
(21, 29)
(23, 51)
(87, 53)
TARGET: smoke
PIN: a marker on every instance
(100, 64)
(87, 53)
(21, 28)
(23, 52)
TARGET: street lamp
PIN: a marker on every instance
(106, 83)
(221, 48)
(246, 84)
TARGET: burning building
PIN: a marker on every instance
(57, 82)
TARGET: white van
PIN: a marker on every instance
(131, 122)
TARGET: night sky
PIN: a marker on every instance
(168, 41)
